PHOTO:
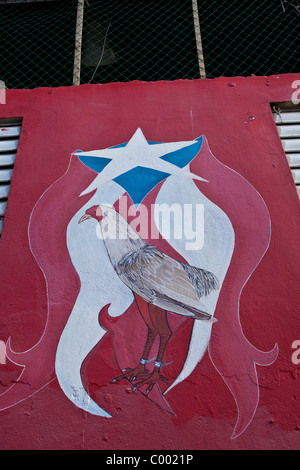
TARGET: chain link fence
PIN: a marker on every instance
(64, 42)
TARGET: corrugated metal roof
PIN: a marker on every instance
(288, 126)
(9, 140)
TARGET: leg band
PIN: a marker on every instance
(145, 361)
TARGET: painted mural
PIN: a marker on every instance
(160, 239)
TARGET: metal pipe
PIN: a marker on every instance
(78, 43)
(198, 39)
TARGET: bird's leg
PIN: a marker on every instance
(160, 322)
(140, 370)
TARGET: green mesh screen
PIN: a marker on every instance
(37, 44)
(121, 40)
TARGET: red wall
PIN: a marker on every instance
(235, 116)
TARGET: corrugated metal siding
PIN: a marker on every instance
(288, 125)
(9, 140)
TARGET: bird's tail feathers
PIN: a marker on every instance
(201, 315)
(175, 306)
(211, 320)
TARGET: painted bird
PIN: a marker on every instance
(160, 284)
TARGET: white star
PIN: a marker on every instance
(137, 152)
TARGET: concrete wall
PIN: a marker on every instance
(59, 359)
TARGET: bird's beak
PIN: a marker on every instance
(84, 217)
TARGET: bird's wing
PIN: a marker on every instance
(165, 282)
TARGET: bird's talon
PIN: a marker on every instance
(131, 374)
(150, 381)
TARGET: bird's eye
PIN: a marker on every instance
(105, 214)
(94, 212)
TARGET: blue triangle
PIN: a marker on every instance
(139, 181)
(184, 156)
(95, 163)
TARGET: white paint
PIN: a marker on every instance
(215, 256)
(10, 131)
(5, 175)
(289, 131)
(8, 145)
(291, 145)
(287, 117)
(293, 159)
(7, 159)
(99, 283)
